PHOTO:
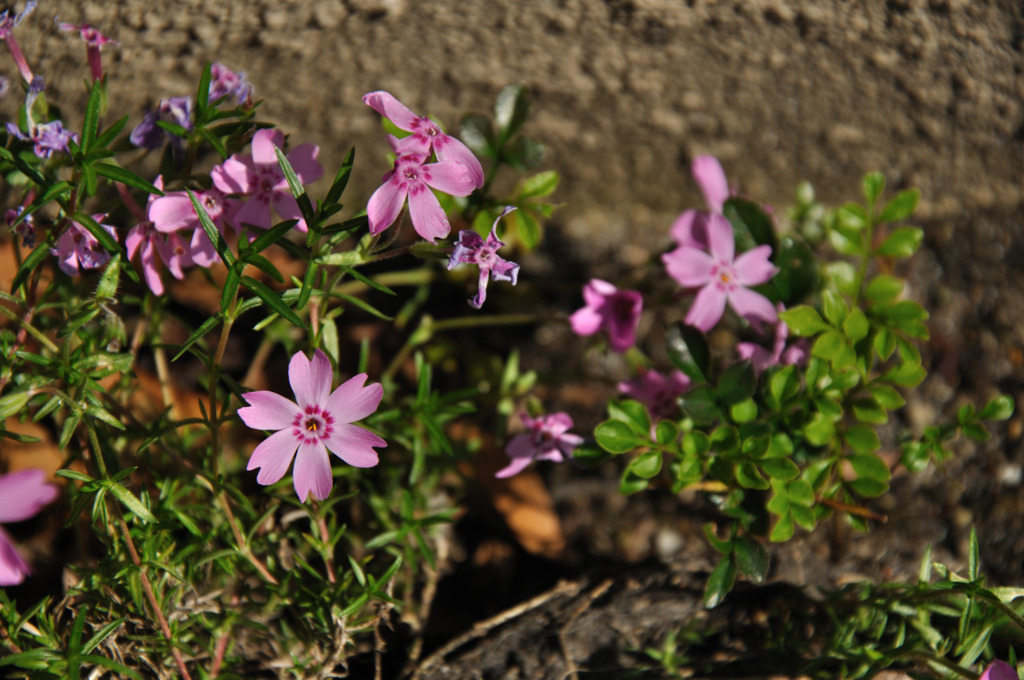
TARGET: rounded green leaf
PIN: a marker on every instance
(720, 583)
(779, 468)
(862, 439)
(666, 433)
(803, 320)
(615, 436)
(870, 466)
(999, 408)
(902, 242)
(901, 206)
(751, 558)
(647, 465)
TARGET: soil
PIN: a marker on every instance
(626, 93)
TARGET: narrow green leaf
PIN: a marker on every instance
(203, 92)
(198, 333)
(219, 244)
(272, 236)
(272, 300)
(91, 124)
(130, 501)
(104, 139)
(873, 185)
(363, 305)
(538, 186)
(295, 185)
(213, 140)
(511, 109)
(341, 179)
(689, 351)
(126, 177)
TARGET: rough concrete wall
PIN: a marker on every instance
(931, 92)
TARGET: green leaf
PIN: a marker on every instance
(901, 206)
(804, 321)
(340, 179)
(720, 582)
(197, 334)
(749, 477)
(797, 277)
(873, 185)
(834, 307)
(783, 529)
(295, 186)
(477, 133)
(647, 465)
(751, 558)
(725, 439)
(868, 488)
(615, 436)
(883, 288)
(843, 276)
(524, 153)
(999, 408)
(219, 244)
(870, 466)
(856, 326)
(700, 405)
(743, 412)
(271, 236)
(666, 433)
(631, 412)
(829, 345)
(631, 484)
(688, 350)
(852, 217)
(104, 139)
(130, 501)
(976, 432)
(696, 443)
(887, 396)
(800, 493)
(108, 242)
(29, 265)
(538, 186)
(902, 242)
(862, 439)
(203, 92)
(272, 300)
(867, 410)
(737, 383)
(751, 223)
(511, 109)
(12, 404)
(91, 123)
(527, 227)
(126, 177)
(784, 384)
(779, 468)
(820, 430)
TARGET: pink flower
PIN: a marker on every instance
(414, 178)
(22, 495)
(94, 40)
(999, 670)
(426, 135)
(690, 229)
(151, 244)
(471, 248)
(547, 438)
(7, 24)
(78, 249)
(761, 358)
(722, 277)
(258, 175)
(174, 212)
(318, 423)
(47, 137)
(657, 391)
(224, 83)
(607, 307)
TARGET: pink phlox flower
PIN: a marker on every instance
(690, 229)
(154, 244)
(259, 177)
(46, 137)
(472, 249)
(78, 249)
(413, 178)
(547, 437)
(149, 135)
(22, 495)
(226, 83)
(26, 228)
(7, 23)
(94, 40)
(999, 670)
(321, 421)
(762, 358)
(174, 213)
(659, 392)
(608, 308)
(426, 134)
(722, 277)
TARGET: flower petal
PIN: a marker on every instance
(263, 143)
(688, 266)
(448, 148)
(352, 402)
(721, 239)
(428, 219)
(514, 468)
(711, 177)
(707, 308)
(690, 229)
(751, 305)
(23, 494)
(586, 321)
(172, 212)
(386, 105)
(254, 213)
(310, 380)
(303, 159)
(12, 568)
(451, 178)
(232, 176)
(353, 445)
(268, 411)
(312, 473)
(274, 456)
(753, 267)
(385, 204)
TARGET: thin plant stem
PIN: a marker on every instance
(243, 545)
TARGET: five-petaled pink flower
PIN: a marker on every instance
(321, 421)
(607, 307)
(723, 277)
(690, 228)
(471, 248)
(258, 175)
(414, 178)
(547, 438)
(999, 670)
(658, 392)
(426, 135)
(22, 495)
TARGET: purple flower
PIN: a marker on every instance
(47, 137)
(226, 83)
(7, 24)
(722, 277)
(606, 307)
(22, 495)
(471, 248)
(690, 229)
(659, 392)
(762, 358)
(426, 135)
(318, 423)
(26, 229)
(258, 175)
(999, 670)
(547, 438)
(78, 249)
(149, 135)
(414, 178)
(94, 40)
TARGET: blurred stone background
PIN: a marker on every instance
(626, 92)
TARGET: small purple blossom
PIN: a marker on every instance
(547, 438)
(7, 24)
(413, 178)
(426, 135)
(690, 229)
(472, 249)
(22, 495)
(227, 83)
(149, 135)
(610, 309)
(999, 670)
(259, 177)
(94, 40)
(321, 421)
(658, 392)
(779, 354)
(25, 228)
(46, 137)
(722, 277)
(78, 249)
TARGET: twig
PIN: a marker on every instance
(570, 666)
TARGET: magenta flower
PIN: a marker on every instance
(78, 249)
(547, 438)
(426, 135)
(47, 137)
(7, 24)
(722, 277)
(999, 670)
(690, 229)
(608, 308)
(94, 40)
(258, 175)
(22, 495)
(658, 392)
(414, 178)
(321, 421)
(174, 213)
(471, 248)
(227, 83)
(762, 358)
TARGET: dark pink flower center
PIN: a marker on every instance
(724, 277)
(312, 425)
